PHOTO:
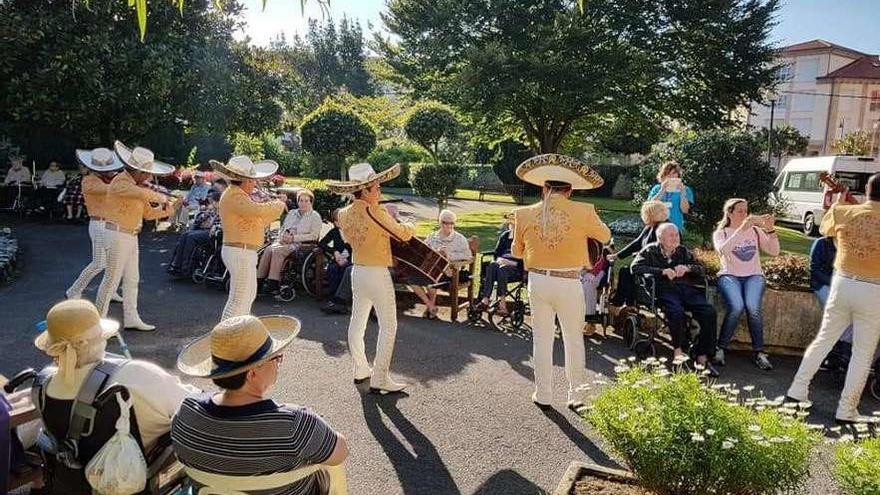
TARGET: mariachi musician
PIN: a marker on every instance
(245, 215)
(103, 164)
(127, 205)
(367, 227)
(551, 239)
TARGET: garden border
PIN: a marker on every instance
(577, 468)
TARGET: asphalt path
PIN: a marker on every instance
(467, 427)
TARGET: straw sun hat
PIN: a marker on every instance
(553, 167)
(238, 344)
(99, 159)
(242, 167)
(141, 159)
(360, 176)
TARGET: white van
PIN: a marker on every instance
(798, 187)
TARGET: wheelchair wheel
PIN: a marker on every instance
(474, 314)
(198, 276)
(309, 270)
(518, 315)
(630, 330)
(286, 293)
(644, 349)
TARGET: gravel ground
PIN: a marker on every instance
(468, 426)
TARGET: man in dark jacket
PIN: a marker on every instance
(679, 279)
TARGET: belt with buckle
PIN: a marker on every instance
(868, 280)
(98, 219)
(574, 274)
(116, 228)
(242, 245)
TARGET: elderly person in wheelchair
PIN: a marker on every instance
(504, 268)
(76, 396)
(677, 277)
(302, 225)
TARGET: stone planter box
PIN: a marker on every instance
(791, 320)
(577, 470)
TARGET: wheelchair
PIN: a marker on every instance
(641, 327)
(517, 303)
(63, 464)
(304, 268)
(208, 263)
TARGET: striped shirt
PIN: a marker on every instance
(260, 438)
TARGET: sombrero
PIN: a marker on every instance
(540, 169)
(99, 160)
(360, 176)
(242, 167)
(141, 159)
(237, 344)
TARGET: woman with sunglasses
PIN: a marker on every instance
(454, 247)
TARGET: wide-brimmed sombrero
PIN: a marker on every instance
(99, 160)
(237, 344)
(541, 169)
(141, 159)
(360, 176)
(242, 167)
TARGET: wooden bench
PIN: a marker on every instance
(23, 411)
(515, 191)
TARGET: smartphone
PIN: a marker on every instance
(673, 184)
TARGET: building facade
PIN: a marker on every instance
(825, 92)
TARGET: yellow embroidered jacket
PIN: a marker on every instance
(856, 233)
(370, 243)
(561, 241)
(243, 219)
(94, 191)
(128, 205)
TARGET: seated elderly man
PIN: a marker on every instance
(503, 269)
(205, 223)
(300, 225)
(17, 173)
(241, 432)
(679, 278)
(75, 338)
(196, 195)
(454, 247)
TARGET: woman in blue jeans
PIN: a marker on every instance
(739, 240)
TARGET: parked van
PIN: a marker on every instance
(798, 188)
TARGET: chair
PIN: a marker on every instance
(456, 284)
(518, 307)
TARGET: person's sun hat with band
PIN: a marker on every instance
(68, 324)
(238, 344)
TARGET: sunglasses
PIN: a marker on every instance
(448, 223)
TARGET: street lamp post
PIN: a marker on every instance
(874, 134)
(772, 98)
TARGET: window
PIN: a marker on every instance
(784, 73)
(782, 102)
(875, 100)
(795, 180)
(804, 181)
(804, 126)
(807, 69)
(855, 181)
(804, 103)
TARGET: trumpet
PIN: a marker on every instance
(261, 195)
(174, 200)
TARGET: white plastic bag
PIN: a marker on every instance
(119, 467)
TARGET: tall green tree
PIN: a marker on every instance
(787, 141)
(429, 123)
(84, 76)
(333, 134)
(545, 64)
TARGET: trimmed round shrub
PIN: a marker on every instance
(429, 123)
(857, 467)
(681, 436)
(397, 151)
(325, 201)
(436, 181)
(336, 132)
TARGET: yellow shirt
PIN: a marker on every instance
(562, 242)
(243, 219)
(94, 192)
(856, 232)
(370, 243)
(128, 205)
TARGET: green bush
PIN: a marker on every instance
(430, 122)
(857, 467)
(681, 436)
(247, 144)
(335, 134)
(289, 163)
(394, 151)
(788, 271)
(437, 181)
(717, 165)
(325, 201)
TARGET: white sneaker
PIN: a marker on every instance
(140, 326)
(719, 357)
(389, 387)
(116, 298)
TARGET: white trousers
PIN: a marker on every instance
(850, 302)
(549, 298)
(242, 266)
(372, 287)
(100, 252)
(122, 266)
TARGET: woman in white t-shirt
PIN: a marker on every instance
(454, 247)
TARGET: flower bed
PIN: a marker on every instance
(857, 467)
(682, 436)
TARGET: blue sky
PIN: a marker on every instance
(852, 23)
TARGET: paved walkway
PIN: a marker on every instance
(426, 209)
(467, 428)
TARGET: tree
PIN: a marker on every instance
(854, 143)
(86, 81)
(787, 141)
(438, 181)
(429, 123)
(718, 165)
(333, 134)
(545, 65)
